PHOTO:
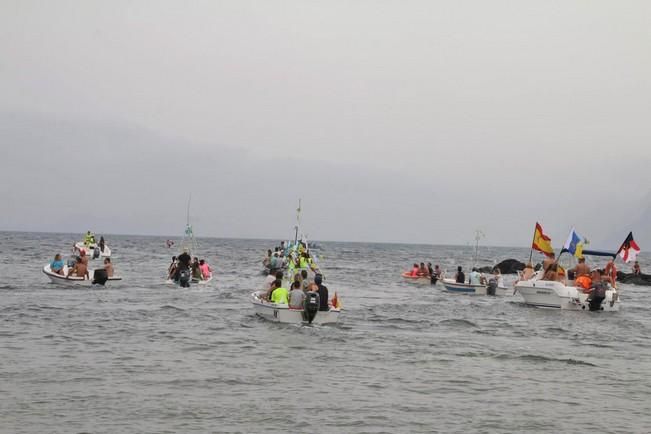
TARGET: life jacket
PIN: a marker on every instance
(583, 282)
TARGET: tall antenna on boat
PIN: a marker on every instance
(189, 233)
(298, 221)
(188, 215)
(478, 236)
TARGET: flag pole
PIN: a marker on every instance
(532, 241)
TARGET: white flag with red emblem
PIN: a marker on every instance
(629, 249)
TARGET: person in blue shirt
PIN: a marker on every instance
(57, 265)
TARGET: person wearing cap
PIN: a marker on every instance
(323, 293)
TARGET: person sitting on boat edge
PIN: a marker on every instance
(108, 267)
(414, 271)
(56, 266)
(610, 273)
(581, 269)
(279, 295)
(171, 270)
(475, 277)
(304, 281)
(196, 271)
(296, 296)
(323, 293)
(636, 269)
(183, 263)
(79, 269)
(83, 257)
(206, 271)
(460, 277)
(102, 244)
(527, 272)
(422, 270)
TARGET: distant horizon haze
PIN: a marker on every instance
(414, 122)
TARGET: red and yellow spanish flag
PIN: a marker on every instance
(542, 242)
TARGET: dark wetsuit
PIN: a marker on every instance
(323, 298)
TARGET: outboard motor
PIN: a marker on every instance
(96, 253)
(184, 278)
(491, 289)
(311, 306)
(100, 277)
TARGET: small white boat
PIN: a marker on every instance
(284, 314)
(553, 294)
(73, 280)
(93, 251)
(452, 285)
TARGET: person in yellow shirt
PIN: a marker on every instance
(280, 295)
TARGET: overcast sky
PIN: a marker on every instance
(414, 121)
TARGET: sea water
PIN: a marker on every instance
(140, 356)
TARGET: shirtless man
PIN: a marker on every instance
(581, 269)
(610, 273)
(548, 261)
(108, 267)
(528, 271)
(79, 270)
(551, 273)
(84, 258)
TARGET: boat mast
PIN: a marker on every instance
(478, 235)
(192, 246)
(298, 222)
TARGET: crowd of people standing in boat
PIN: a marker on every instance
(300, 287)
(196, 269)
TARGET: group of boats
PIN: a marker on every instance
(534, 288)
(297, 264)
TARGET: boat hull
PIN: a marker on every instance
(62, 280)
(283, 314)
(452, 286)
(89, 250)
(551, 294)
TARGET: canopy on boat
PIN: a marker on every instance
(594, 253)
